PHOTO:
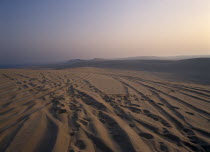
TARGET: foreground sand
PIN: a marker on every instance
(89, 109)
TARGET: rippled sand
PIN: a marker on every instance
(90, 109)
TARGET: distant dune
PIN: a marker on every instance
(196, 70)
(165, 58)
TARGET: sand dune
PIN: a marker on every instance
(193, 70)
(92, 109)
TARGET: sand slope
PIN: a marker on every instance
(90, 109)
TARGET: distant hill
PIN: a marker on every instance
(201, 64)
(197, 69)
(193, 69)
(164, 58)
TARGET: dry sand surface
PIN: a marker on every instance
(90, 109)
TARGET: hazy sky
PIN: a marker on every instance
(55, 30)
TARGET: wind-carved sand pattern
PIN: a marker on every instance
(89, 109)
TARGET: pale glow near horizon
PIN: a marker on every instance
(110, 28)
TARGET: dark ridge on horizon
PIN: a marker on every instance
(196, 70)
(180, 57)
(71, 61)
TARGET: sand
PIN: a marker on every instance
(102, 110)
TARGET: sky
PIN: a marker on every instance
(42, 31)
